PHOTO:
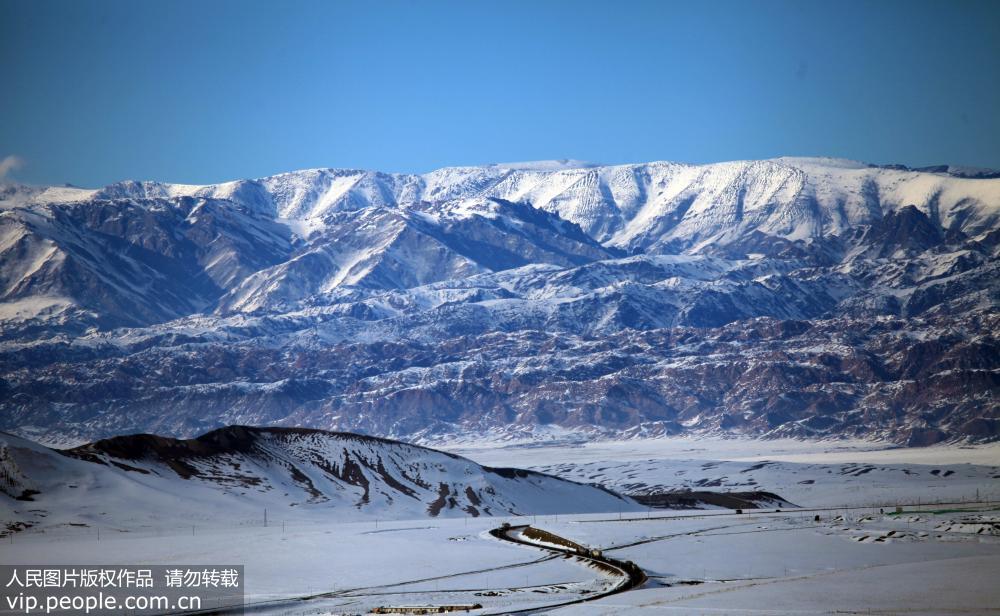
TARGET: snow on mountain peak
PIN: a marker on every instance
(658, 296)
(547, 165)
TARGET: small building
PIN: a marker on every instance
(426, 609)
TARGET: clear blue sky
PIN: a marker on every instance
(95, 92)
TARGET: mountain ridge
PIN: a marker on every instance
(475, 299)
(238, 470)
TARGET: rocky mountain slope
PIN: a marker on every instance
(794, 297)
(237, 472)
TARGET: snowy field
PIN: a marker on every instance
(928, 559)
(356, 565)
(809, 474)
(534, 453)
(698, 562)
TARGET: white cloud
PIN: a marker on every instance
(8, 164)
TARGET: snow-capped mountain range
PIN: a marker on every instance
(806, 297)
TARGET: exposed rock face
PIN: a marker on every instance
(786, 297)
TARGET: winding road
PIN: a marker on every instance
(630, 577)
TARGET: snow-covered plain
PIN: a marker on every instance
(708, 562)
(788, 563)
(568, 447)
(929, 559)
(416, 561)
(807, 473)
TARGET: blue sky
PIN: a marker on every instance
(95, 92)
